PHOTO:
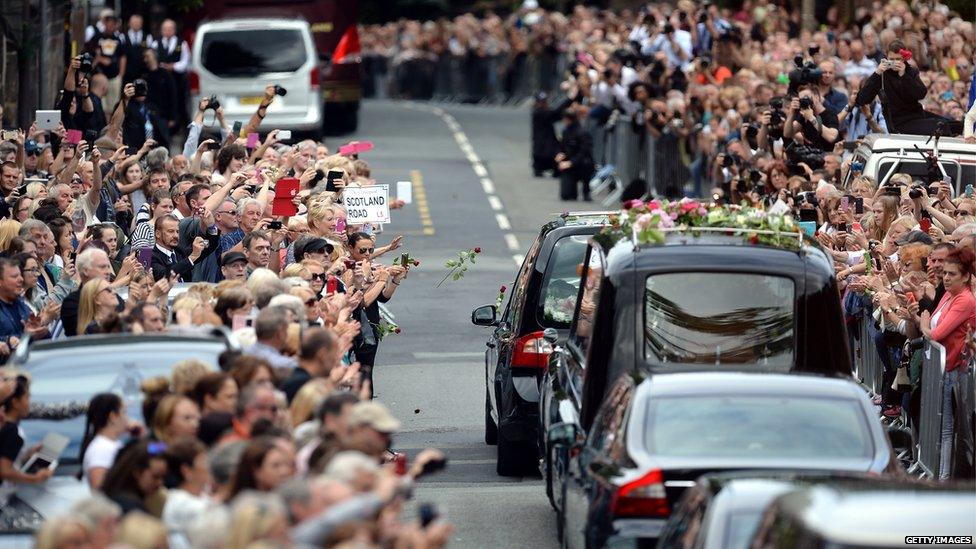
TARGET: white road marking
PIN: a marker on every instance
(495, 203)
(479, 169)
(503, 223)
(488, 186)
(513, 243)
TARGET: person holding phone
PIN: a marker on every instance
(12, 454)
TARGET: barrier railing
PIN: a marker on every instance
(930, 410)
(927, 430)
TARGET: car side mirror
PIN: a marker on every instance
(550, 335)
(486, 315)
(562, 434)
(901, 439)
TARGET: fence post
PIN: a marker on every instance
(930, 410)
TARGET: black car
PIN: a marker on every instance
(865, 514)
(653, 437)
(538, 313)
(66, 373)
(722, 511)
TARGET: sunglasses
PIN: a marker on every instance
(318, 276)
(958, 213)
(366, 250)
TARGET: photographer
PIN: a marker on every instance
(141, 121)
(901, 90)
(807, 114)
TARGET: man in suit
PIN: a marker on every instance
(166, 258)
(137, 40)
(575, 158)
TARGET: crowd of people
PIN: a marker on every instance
(697, 80)
(283, 444)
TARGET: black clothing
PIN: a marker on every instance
(135, 42)
(577, 147)
(298, 377)
(69, 311)
(545, 145)
(128, 502)
(813, 135)
(162, 93)
(111, 46)
(901, 98)
(10, 441)
(163, 265)
(137, 114)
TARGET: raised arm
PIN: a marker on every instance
(252, 125)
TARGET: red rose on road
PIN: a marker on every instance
(416, 263)
(503, 288)
(477, 250)
(396, 330)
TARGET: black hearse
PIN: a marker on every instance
(705, 299)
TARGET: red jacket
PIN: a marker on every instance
(958, 316)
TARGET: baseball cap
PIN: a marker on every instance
(231, 257)
(312, 245)
(374, 415)
(913, 237)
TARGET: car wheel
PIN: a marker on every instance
(548, 474)
(516, 459)
(491, 430)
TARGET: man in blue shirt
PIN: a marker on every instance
(15, 316)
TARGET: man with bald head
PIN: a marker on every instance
(833, 99)
(860, 66)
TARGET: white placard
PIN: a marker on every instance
(367, 204)
(405, 191)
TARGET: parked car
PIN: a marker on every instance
(66, 373)
(883, 155)
(699, 301)
(866, 515)
(235, 59)
(653, 437)
(722, 511)
(537, 314)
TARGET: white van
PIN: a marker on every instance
(884, 155)
(235, 59)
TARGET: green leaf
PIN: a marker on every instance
(457, 276)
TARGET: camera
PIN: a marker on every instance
(142, 88)
(797, 154)
(280, 91)
(755, 176)
(803, 74)
(776, 116)
(806, 103)
(668, 28)
(319, 176)
(86, 63)
(807, 197)
(731, 159)
(813, 49)
(212, 102)
(916, 192)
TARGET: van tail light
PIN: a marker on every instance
(531, 351)
(194, 79)
(348, 49)
(642, 497)
(313, 78)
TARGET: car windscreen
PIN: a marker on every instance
(253, 51)
(64, 380)
(719, 318)
(757, 426)
(557, 299)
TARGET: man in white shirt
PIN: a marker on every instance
(860, 65)
(675, 43)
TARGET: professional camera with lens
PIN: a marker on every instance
(803, 74)
(668, 28)
(280, 91)
(731, 159)
(212, 102)
(803, 154)
(141, 87)
(86, 63)
(917, 191)
(806, 103)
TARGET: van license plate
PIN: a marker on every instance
(251, 100)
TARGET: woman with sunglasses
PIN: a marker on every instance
(137, 475)
(96, 305)
(35, 291)
(12, 455)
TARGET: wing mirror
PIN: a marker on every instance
(562, 434)
(551, 336)
(486, 315)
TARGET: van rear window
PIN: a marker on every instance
(253, 52)
(719, 318)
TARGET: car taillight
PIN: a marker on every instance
(348, 48)
(643, 497)
(313, 78)
(194, 79)
(531, 351)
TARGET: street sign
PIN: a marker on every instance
(367, 204)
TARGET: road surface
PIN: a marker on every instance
(472, 186)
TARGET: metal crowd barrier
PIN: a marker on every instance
(930, 411)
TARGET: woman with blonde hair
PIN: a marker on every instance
(884, 210)
(139, 530)
(61, 532)
(96, 304)
(258, 517)
(186, 373)
(322, 218)
(175, 417)
(307, 399)
(8, 231)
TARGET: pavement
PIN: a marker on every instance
(432, 375)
